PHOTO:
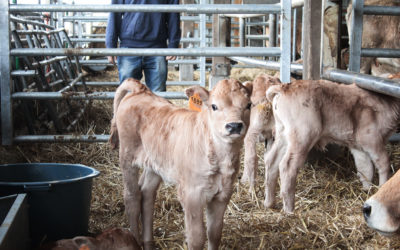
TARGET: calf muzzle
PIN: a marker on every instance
(234, 127)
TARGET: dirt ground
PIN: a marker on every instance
(329, 197)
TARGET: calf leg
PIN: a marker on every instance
(380, 159)
(364, 167)
(150, 182)
(215, 221)
(288, 168)
(193, 207)
(250, 158)
(272, 158)
(132, 196)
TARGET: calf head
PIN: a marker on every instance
(382, 210)
(227, 107)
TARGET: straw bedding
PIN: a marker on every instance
(328, 196)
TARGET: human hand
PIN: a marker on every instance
(112, 59)
(170, 58)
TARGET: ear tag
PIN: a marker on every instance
(195, 102)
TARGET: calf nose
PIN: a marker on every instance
(234, 127)
(366, 211)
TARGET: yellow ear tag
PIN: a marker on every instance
(195, 103)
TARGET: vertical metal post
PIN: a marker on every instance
(355, 35)
(294, 34)
(339, 35)
(302, 32)
(186, 70)
(5, 80)
(203, 31)
(286, 7)
(312, 39)
(242, 32)
(221, 38)
(272, 32)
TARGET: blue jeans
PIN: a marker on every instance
(155, 70)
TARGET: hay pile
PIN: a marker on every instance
(328, 199)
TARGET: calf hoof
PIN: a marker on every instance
(269, 203)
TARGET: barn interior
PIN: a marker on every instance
(57, 108)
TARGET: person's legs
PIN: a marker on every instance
(155, 71)
(129, 67)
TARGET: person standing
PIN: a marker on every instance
(143, 30)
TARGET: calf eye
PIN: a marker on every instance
(214, 107)
(248, 105)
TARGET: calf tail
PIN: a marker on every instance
(129, 85)
(272, 92)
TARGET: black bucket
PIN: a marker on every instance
(58, 197)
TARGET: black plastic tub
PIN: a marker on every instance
(58, 197)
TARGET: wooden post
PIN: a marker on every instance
(186, 70)
(312, 39)
(221, 67)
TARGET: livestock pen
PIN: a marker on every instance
(329, 196)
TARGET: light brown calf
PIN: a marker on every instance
(315, 113)
(261, 125)
(112, 239)
(196, 151)
(382, 210)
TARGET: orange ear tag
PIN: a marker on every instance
(195, 103)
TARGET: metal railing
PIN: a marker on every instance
(10, 95)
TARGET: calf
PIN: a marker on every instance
(382, 210)
(315, 113)
(196, 151)
(112, 239)
(261, 125)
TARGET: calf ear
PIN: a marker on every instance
(249, 86)
(202, 92)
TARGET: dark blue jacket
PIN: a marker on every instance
(143, 29)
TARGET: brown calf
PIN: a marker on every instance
(196, 151)
(261, 125)
(112, 239)
(382, 210)
(315, 113)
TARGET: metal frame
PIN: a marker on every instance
(283, 51)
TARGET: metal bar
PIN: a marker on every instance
(212, 51)
(285, 41)
(381, 10)
(257, 37)
(188, 8)
(49, 61)
(203, 44)
(294, 38)
(60, 138)
(356, 35)
(339, 35)
(21, 20)
(39, 32)
(102, 40)
(5, 81)
(85, 18)
(242, 32)
(23, 73)
(376, 52)
(116, 84)
(272, 32)
(83, 96)
(376, 84)
(71, 84)
(273, 65)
